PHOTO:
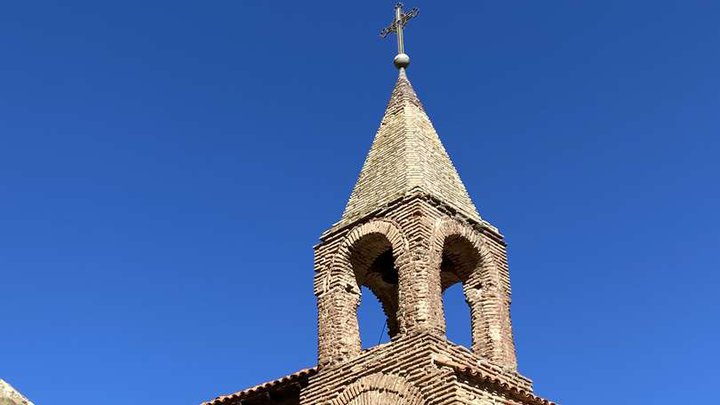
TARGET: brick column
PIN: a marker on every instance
(490, 322)
(478, 326)
(338, 331)
(420, 292)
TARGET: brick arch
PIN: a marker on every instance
(337, 287)
(385, 227)
(449, 228)
(380, 389)
(483, 288)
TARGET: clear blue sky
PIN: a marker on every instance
(166, 167)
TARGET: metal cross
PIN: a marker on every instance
(397, 25)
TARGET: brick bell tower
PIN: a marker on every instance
(408, 232)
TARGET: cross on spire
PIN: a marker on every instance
(402, 60)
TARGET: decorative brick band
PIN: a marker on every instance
(510, 391)
(380, 389)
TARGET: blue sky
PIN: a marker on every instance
(166, 167)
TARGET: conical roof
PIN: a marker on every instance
(406, 158)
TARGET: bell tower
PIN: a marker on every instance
(409, 232)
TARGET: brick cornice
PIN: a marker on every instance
(479, 376)
(483, 226)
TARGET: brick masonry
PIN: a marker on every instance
(409, 232)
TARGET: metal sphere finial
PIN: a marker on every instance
(401, 61)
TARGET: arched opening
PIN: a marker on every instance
(373, 264)
(371, 320)
(460, 259)
(457, 316)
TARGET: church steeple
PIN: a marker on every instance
(407, 158)
(408, 233)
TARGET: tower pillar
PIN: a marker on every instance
(420, 294)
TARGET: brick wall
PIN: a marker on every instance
(423, 237)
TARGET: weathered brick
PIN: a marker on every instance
(409, 232)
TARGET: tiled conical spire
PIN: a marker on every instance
(406, 158)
